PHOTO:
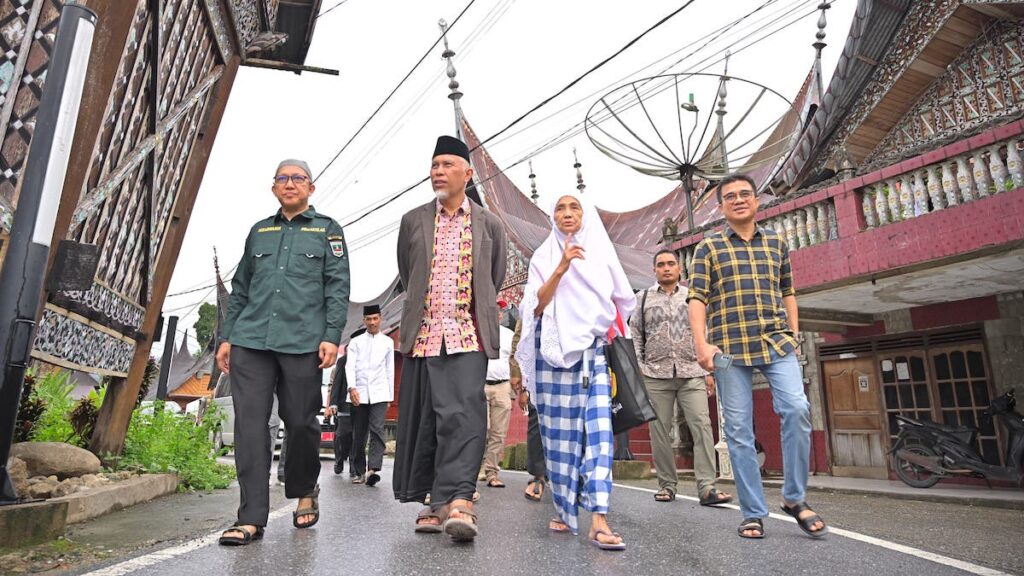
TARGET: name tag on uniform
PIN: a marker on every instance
(337, 245)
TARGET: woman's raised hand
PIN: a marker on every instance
(572, 251)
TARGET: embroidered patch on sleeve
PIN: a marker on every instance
(337, 245)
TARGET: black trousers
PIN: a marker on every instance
(342, 436)
(368, 423)
(442, 426)
(256, 375)
(535, 464)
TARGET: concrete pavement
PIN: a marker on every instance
(365, 531)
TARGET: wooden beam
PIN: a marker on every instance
(835, 317)
(994, 12)
(112, 424)
(278, 65)
(806, 326)
(115, 19)
(127, 166)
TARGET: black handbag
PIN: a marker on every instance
(631, 405)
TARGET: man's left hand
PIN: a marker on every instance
(328, 354)
(709, 383)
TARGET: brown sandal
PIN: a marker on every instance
(461, 529)
(424, 524)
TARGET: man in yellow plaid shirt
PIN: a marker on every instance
(743, 314)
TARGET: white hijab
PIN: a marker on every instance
(585, 301)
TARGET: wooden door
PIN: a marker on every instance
(855, 415)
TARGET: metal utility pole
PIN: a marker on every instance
(21, 278)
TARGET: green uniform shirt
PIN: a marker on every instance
(290, 290)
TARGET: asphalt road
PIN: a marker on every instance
(365, 531)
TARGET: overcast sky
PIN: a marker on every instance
(510, 55)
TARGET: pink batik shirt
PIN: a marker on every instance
(448, 308)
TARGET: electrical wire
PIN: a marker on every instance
(578, 79)
(334, 190)
(395, 89)
(572, 132)
(329, 10)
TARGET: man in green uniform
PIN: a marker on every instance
(289, 301)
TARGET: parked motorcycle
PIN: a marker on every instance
(926, 452)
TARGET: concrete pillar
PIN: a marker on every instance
(1004, 341)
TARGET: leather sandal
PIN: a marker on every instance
(423, 526)
(666, 494)
(751, 525)
(715, 498)
(462, 529)
(313, 511)
(805, 524)
(245, 539)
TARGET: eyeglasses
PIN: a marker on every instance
(296, 178)
(733, 196)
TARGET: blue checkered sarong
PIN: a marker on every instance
(576, 430)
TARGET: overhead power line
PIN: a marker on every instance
(575, 130)
(400, 83)
(332, 8)
(579, 78)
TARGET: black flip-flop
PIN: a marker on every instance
(806, 523)
(536, 492)
(372, 478)
(244, 540)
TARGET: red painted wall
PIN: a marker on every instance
(968, 311)
(955, 231)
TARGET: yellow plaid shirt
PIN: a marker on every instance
(742, 284)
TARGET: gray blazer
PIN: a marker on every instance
(415, 254)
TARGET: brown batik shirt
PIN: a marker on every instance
(663, 341)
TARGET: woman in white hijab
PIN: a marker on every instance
(575, 290)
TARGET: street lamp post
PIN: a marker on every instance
(21, 278)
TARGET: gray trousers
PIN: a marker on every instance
(367, 420)
(691, 396)
(256, 375)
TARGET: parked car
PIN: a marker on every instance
(225, 435)
(327, 428)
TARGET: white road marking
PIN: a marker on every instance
(129, 566)
(909, 550)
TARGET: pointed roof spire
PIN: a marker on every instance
(719, 136)
(579, 174)
(222, 291)
(453, 84)
(533, 184)
(820, 44)
(183, 358)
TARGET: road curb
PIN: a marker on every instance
(102, 500)
(966, 500)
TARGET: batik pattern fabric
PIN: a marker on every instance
(576, 431)
(448, 307)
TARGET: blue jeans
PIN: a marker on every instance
(735, 392)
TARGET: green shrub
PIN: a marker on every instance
(162, 441)
(54, 391)
(84, 414)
